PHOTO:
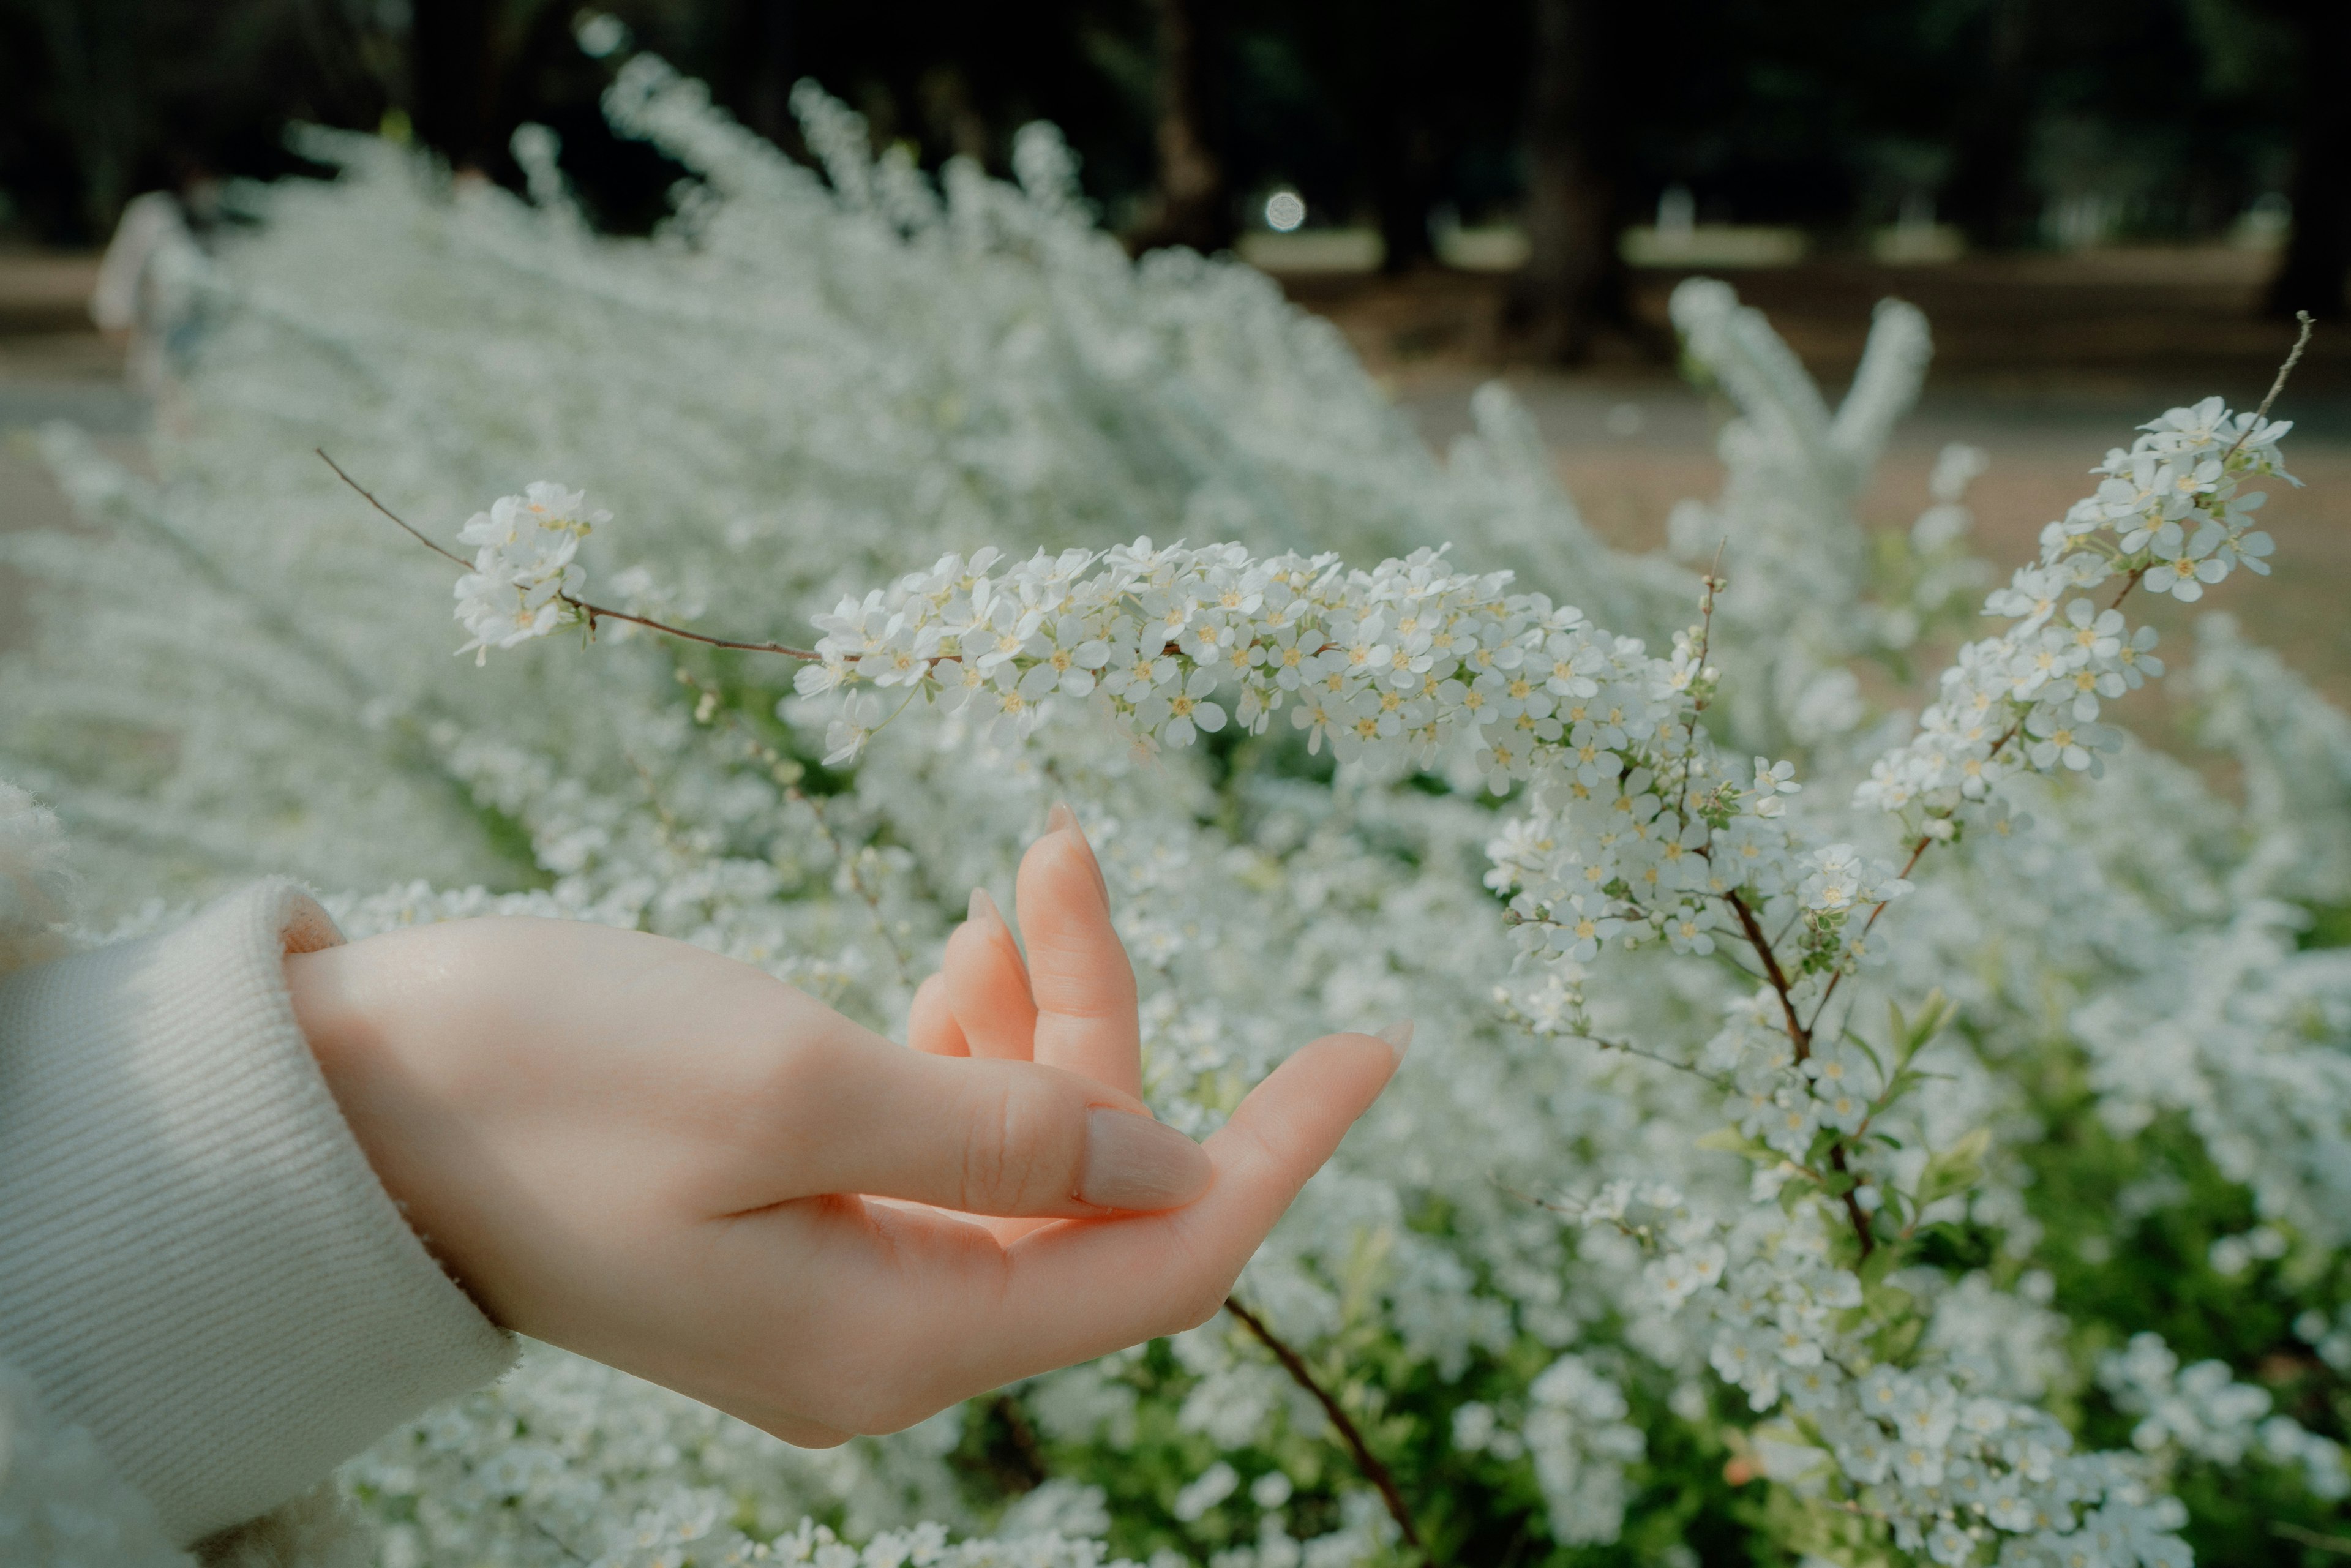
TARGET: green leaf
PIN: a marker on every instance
(1731, 1141)
(1870, 1051)
(1934, 1015)
(1953, 1170)
(1875, 1292)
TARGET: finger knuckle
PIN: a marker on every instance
(1013, 1154)
(1105, 991)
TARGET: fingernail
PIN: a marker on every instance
(1399, 1037)
(1062, 818)
(983, 911)
(1134, 1162)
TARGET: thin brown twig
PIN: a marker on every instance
(2292, 358)
(596, 612)
(560, 1544)
(1629, 1049)
(1852, 1210)
(1802, 1037)
(403, 523)
(1365, 1460)
(1801, 1034)
(1572, 1211)
(1797, 1034)
(1917, 850)
(1025, 1445)
(593, 612)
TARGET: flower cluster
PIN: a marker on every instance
(1639, 831)
(2203, 1410)
(2170, 516)
(1952, 1471)
(526, 578)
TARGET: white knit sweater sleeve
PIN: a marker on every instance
(197, 1265)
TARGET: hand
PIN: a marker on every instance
(682, 1166)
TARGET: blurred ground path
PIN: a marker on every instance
(53, 365)
(2044, 362)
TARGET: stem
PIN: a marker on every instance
(1802, 1037)
(560, 1544)
(2293, 358)
(1711, 584)
(1031, 1452)
(1797, 1033)
(1852, 1204)
(2340, 1545)
(594, 612)
(1365, 1460)
(1658, 1057)
(1909, 865)
(388, 512)
(1918, 850)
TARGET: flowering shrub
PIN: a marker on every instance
(1833, 1127)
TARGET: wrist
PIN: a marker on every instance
(350, 1004)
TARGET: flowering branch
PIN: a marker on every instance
(536, 591)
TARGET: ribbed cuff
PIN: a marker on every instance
(196, 1261)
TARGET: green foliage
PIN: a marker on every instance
(2130, 1224)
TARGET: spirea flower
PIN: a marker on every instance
(525, 573)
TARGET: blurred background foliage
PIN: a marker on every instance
(2022, 123)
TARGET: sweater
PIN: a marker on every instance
(207, 1300)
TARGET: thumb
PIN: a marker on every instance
(985, 1136)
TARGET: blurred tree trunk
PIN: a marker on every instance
(1987, 194)
(2318, 252)
(93, 48)
(1193, 205)
(758, 74)
(1403, 189)
(1399, 144)
(450, 81)
(1575, 282)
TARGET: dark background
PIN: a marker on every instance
(1567, 116)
